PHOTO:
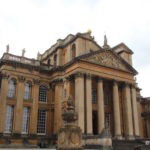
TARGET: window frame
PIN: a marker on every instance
(28, 121)
(12, 88)
(46, 97)
(28, 93)
(45, 122)
(10, 121)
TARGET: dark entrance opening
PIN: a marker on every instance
(95, 123)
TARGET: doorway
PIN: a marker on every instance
(95, 122)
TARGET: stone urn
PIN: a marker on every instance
(69, 136)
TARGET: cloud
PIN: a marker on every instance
(37, 24)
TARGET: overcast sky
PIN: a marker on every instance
(36, 24)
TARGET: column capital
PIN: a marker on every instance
(56, 81)
(4, 76)
(79, 74)
(115, 82)
(88, 76)
(100, 79)
(21, 78)
(69, 77)
(36, 81)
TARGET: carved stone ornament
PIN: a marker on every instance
(21, 78)
(75, 139)
(107, 58)
(61, 138)
(5, 76)
(36, 81)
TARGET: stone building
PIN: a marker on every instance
(101, 80)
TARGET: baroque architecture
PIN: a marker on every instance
(101, 80)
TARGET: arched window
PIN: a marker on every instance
(27, 91)
(12, 88)
(73, 51)
(43, 94)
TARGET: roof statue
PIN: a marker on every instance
(105, 46)
(7, 48)
(23, 52)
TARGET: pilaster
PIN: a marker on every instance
(135, 111)
(19, 106)
(116, 109)
(3, 99)
(129, 120)
(89, 123)
(100, 92)
(34, 108)
(79, 99)
(57, 105)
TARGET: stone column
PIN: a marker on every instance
(34, 108)
(79, 99)
(116, 108)
(89, 105)
(100, 92)
(129, 121)
(18, 116)
(57, 106)
(135, 112)
(3, 99)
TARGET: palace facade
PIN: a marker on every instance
(101, 81)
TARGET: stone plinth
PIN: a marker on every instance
(69, 136)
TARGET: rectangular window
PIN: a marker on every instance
(41, 127)
(9, 119)
(93, 95)
(25, 124)
(107, 120)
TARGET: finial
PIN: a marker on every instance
(105, 46)
(89, 31)
(7, 48)
(23, 52)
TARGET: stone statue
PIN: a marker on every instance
(23, 52)
(105, 46)
(7, 48)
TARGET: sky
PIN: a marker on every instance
(37, 24)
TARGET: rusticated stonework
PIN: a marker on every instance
(107, 58)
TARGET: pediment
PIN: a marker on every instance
(108, 58)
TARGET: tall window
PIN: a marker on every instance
(27, 92)
(55, 59)
(25, 125)
(12, 88)
(41, 126)
(107, 120)
(9, 119)
(49, 62)
(42, 94)
(73, 51)
(93, 95)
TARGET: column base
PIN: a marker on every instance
(131, 137)
(118, 137)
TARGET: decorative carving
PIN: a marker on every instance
(106, 58)
(36, 81)
(21, 78)
(79, 74)
(61, 138)
(75, 139)
(5, 76)
(88, 76)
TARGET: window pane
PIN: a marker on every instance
(43, 94)
(27, 91)
(9, 119)
(107, 120)
(25, 120)
(11, 90)
(93, 95)
(41, 128)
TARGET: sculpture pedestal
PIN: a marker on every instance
(70, 138)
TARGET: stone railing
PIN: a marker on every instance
(21, 59)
